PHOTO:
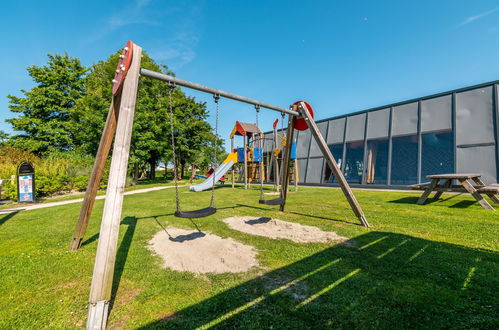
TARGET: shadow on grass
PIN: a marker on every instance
(413, 200)
(463, 204)
(7, 217)
(387, 281)
(122, 254)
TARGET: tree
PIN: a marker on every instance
(44, 112)
(4, 137)
(151, 137)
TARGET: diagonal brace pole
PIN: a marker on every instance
(345, 187)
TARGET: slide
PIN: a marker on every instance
(218, 173)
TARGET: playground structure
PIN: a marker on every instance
(216, 174)
(119, 124)
(250, 155)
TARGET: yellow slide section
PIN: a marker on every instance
(232, 156)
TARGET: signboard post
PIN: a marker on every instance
(25, 183)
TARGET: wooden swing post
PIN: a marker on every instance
(102, 279)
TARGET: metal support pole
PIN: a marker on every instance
(202, 88)
(345, 187)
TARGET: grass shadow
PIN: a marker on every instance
(122, 254)
(462, 204)
(406, 282)
(7, 217)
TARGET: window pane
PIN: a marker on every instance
(377, 161)
(337, 151)
(354, 161)
(438, 155)
(405, 160)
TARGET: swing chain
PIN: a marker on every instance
(171, 87)
(216, 98)
(257, 109)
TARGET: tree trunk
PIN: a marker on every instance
(182, 169)
(135, 172)
(193, 173)
(152, 173)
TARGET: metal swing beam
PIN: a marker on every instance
(119, 125)
(214, 91)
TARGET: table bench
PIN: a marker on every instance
(468, 183)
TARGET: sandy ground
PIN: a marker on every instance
(198, 252)
(275, 228)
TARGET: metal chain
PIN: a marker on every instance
(216, 97)
(171, 86)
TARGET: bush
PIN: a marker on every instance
(55, 173)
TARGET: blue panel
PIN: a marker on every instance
(293, 150)
(257, 154)
(240, 155)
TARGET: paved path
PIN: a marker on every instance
(78, 200)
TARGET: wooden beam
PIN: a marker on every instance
(468, 186)
(102, 279)
(285, 160)
(428, 191)
(345, 187)
(100, 162)
(233, 165)
(245, 141)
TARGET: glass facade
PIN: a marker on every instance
(354, 162)
(377, 162)
(400, 144)
(404, 160)
(437, 153)
(337, 151)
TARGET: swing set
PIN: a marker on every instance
(119, 124)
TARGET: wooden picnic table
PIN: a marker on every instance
(468, 183)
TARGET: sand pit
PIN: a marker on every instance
(275, 228)
(197, 252)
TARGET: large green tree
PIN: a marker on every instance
(44, 113)
(151, 138)
(4, 137)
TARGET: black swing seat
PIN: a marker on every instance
(275, 201)
(196, 213)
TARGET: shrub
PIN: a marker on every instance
(55, 173)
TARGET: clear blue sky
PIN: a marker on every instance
(341, 56)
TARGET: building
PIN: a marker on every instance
(400, 144)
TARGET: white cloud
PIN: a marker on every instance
(179, 50)
(479, 16)
(175, 26)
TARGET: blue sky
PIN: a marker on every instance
(340, 56)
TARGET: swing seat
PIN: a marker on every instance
(196, 213)
(275, 201)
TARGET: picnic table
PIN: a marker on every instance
(468, 183)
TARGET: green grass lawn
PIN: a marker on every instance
(141, 184)
(431, 266)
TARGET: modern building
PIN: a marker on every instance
(400, 144)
